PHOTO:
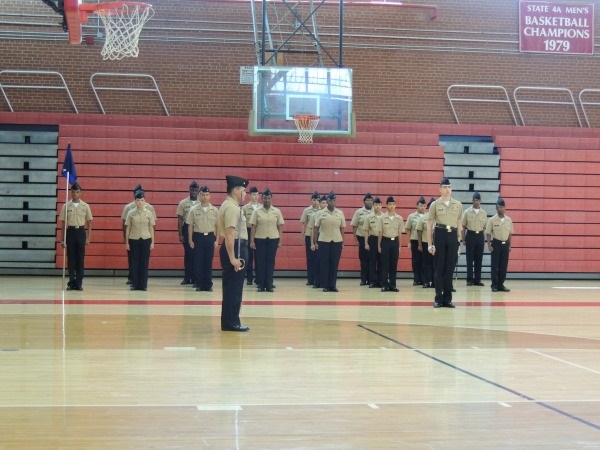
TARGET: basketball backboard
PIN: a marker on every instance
(282, 92)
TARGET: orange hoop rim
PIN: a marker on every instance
(306, 117)
(110, 7)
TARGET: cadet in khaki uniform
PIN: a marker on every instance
(427, 269)
(329, 229)
(266, 237)
(473, 222)
(233, 253)
(182, 227)
(391, 227)
(306, 233)
(499, 231)
(128, 207)
(248, 210)
(413, 242)
(139, 234)
(78, 216)
(314, 247)
(357, 230)
(445, 215)
(202, 236)
(371, 234)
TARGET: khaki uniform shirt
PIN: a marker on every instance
(248, 209)
(391, 226)
(130, 206)
(411, 225)
(422, 226)
(230, 216)
(203, 221)
(500, 229)
(446, 215)
(330, 224)
(307, 215)
(140, 222)
(78, 215)
(184, 207)
(266, 222)
(371, 224)
(474, 221)
(359, 219)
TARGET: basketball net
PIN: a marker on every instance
(306, 124)
(123, 23)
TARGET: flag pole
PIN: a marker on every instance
(64, 246)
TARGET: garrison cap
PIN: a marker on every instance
(323, 198)
(445, 182)
(331, 196)
(377, 200)
(193, 184)
(204, 189)
(421, 201)
(476, 196)
(368, 196)
(315, 196)
(139, 194)
(266, 192)
(500, 202)
(390, 199)
(75, 186)
(233, 181)
(253, 189)
(430, 202)
(137, 188)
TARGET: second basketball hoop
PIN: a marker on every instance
(306, 124)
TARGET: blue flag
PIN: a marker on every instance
(69, 166)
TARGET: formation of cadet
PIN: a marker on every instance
(413, 242)
(182, 227)
(357, 223)
(499, 231)
(328, 240)
(202, 236)
(265, 238)
(76, 217)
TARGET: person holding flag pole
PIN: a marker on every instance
(75, 216)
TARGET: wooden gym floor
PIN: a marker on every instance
(108, 368)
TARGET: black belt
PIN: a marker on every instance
(446, 227)
(476, 232)
(498, 240)
(75, 227)
(390, 239)
(204, 234)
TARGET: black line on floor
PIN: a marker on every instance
(485, 380)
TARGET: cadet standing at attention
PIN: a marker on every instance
(248, 210)
(423, 246)
(371, 234)
(202, 236)
(357, 231)
(473, 221)
(139, 235)
(391, 227)
(445, 215)
(314, 247)
(306, 233)
(182, 211)
(499, 233)
(233, 253)
(413, 242)
(78, 216)
(128, 207)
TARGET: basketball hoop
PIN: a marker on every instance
(306, 124)
(123, 23)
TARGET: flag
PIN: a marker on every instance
(69, 166)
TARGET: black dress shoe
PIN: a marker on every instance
(374, 285)
(333, 290)
(261, 290)
(394, 289)
(449, 305)
(425, 285)
(128, 282)
(363, 283)
(437, 305)
(503, 289)
(479, 283)
(240, 328)
(69, 288)
(384, 289)
(470, 283)
(317, 286)
(79, 288)
(325, 290)
(132, 288)
(184, 282)
(269, 289)
(494, 289)
(453, 290)
(417, 283)
(249, 282)
(308, 283)
(143, 289)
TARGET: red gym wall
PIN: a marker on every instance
(400, 102)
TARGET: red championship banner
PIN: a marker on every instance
(564, 28)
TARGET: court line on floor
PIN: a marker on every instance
(563, 361)
(485, 380)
